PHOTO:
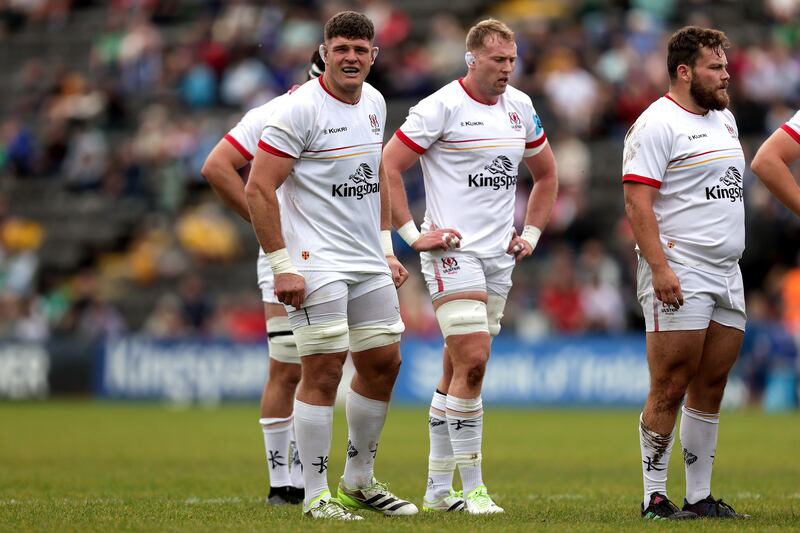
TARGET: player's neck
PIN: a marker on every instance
(683, 98)
(474, 90)
(340, 93)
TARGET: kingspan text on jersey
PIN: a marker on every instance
(720, 193)
(343, 190)
(494, 182)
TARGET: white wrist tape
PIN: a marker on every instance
(281, 263)
(531, 234)
(386, 242)
(409, 232)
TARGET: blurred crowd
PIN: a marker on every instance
(158, 82)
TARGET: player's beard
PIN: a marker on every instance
(708, 98)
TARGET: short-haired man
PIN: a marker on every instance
(221, 169)
(328, 243)
(771, 163)
(470, 136)
(682, 174)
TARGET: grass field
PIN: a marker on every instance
(85, 466)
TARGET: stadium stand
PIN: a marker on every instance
(109, 109)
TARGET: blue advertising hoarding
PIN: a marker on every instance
(553, 371)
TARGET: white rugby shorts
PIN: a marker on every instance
(448, 272)
(706, 297)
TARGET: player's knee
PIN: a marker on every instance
(284, 375)
(494, 312)
(672, 393)
(475, 375)
(280, 340)
(325, 378)
(470, 362)
(327, 337)
(462, 317)
(375, 335)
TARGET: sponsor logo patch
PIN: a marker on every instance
(361, 183)
(497, 175)
(732, 187)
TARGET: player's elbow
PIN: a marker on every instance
(760, 165)
(210, 170)
(255, 191)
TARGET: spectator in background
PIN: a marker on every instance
(166, 321)
(561, 295)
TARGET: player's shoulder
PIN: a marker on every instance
(371, 94)
(311, 94)
(659, 116)
(450, 96)
(727, 115)
(518, 97)
(267, 108)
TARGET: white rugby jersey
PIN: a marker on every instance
(246, 134)
(697, 164)
(330, 203)
(470, 156)
(792, 127)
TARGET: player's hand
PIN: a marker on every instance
(290, 289)
(519, 247)
(438, 239)
(399, 272)
(667, 286)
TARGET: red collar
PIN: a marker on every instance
(322, 83)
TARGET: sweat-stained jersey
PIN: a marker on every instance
(697, 164)
(330, 203)
(470, 155)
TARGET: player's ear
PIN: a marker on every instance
(469, 58)
(374, 54)
(322, 50)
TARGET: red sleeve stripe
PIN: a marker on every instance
(788, 129)
(242, 150)
(408, 142)
(538, 142)
(272, 150)
(641, 179)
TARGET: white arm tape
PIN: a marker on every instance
(531, 234)
(409, 232)
(281, 263)
(386, 242)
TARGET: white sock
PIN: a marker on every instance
(295, 466)
(313, 426)
(465, 424)
(441, 463)
(656, 450)
(699, 442)
(277, 435)
(365, 418)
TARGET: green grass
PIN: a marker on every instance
(78, 466)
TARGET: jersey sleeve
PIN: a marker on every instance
(535, 138)
(245, 135)
(647, 151)
(288, 129)
(424, 125)
(792, 127)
